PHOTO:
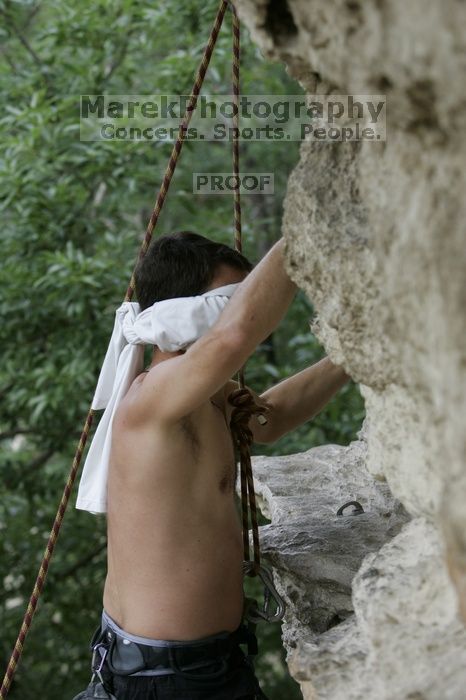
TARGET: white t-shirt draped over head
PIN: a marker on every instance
(172, 324)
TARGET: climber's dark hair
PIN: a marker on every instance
(182, 264)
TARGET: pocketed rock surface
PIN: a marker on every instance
(375, 235)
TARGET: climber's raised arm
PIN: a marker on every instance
(254, 311)
(297, 399)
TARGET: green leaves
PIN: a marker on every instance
(73, 215)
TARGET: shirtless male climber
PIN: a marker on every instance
(174, 588)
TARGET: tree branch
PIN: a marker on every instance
(123, 50)
(4, 390)
(37, 462)
(10, 61)
(31, 16)
(86, 559)
(35, 57)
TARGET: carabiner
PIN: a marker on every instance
(255, 614)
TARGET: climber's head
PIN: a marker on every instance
(185, 264)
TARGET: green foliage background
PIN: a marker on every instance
(73, 217)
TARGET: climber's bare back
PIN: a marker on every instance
(174, 533)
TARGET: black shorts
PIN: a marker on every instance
(238, 682)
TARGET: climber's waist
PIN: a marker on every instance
(127, 654)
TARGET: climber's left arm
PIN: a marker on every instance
(297, 399)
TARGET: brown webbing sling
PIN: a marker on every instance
(241, 399)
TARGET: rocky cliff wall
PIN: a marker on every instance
(375, 235)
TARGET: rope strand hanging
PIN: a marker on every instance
(246, 476)
(242, 399)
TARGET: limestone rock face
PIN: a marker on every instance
(319, 550)
(375, 235)
(371, 611)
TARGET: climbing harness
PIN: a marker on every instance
(241, 399)
(203, 661)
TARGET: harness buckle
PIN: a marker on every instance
(271, 596)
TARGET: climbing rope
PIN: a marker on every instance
(180, 140)
(235, 83)
(244, 407)
(242, 399)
